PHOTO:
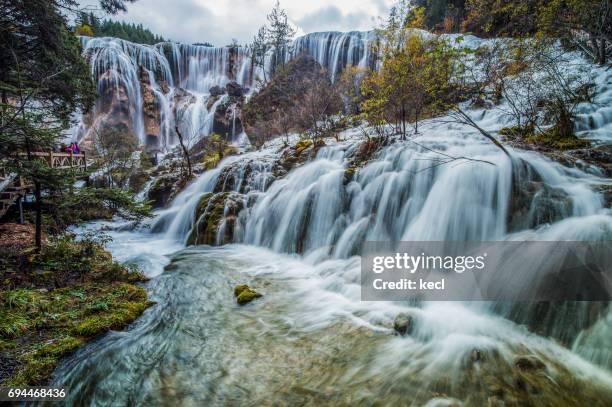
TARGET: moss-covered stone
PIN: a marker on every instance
(211, 160)
(244, 294)
(349, 174)
(302, 145)
(554, 137)
(304, 150)
(239, 289)
(213, 212)
(560, 142)
(402, 324)
(162, 190)
(532, 202)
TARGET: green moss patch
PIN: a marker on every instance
(244, 294)
(555, 137)
(53, 301)
(38, 327)
(552, 140)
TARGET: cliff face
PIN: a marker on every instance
(113, 113)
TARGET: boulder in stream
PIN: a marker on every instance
(244, 294)
(403, 324)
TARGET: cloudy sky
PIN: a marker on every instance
(219, 21)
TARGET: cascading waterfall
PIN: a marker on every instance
(198, 68)
(335, 50)
(118, 67)
(402, 194)
(325, 209)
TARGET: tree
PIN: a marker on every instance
(349, 86)
(116, 150)
(43, 80)
(280, 33)
(84, 30)
(259, 49)
(318, 104)
(586, 24)
(114, 6)
(398, 92)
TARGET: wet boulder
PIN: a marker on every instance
(163, 189)
(227, 121)
(403, 324)
(217, 216)
(216, 91)
(304, 150)
(234, 89)
(534, 203)
(245, 294)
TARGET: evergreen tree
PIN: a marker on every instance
(280, 33)
(259, 49)
(43, 80)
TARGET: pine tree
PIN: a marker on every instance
(280, 33)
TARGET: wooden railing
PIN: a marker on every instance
(63, 160)
(13, 188)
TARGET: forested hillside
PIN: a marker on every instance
(89, 24)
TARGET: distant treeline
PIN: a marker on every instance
(90, 25)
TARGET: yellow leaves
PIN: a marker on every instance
(84, 30)
(417, 18)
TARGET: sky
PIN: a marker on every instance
(220, 21)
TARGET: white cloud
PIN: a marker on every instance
(219, 21)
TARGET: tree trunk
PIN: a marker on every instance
(403, 114)
(185, 151)
(38, 234)
(465, 119)
(602, 52)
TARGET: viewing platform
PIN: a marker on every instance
(14, 188)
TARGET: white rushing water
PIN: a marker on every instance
(403, 193)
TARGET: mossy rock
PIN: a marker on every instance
(559, 142)
(555, 137)
(162, 190)
(349, 174)
(302, 145)
(244, 294)
(211, 160)
(213, 211)
(239, 289)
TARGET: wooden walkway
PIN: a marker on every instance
(14, 188)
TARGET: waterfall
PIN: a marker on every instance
(403, 194)
(335, 50)
(293, 220)
(118, 67)
(198, 68)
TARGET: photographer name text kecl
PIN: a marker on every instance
(408, 284)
